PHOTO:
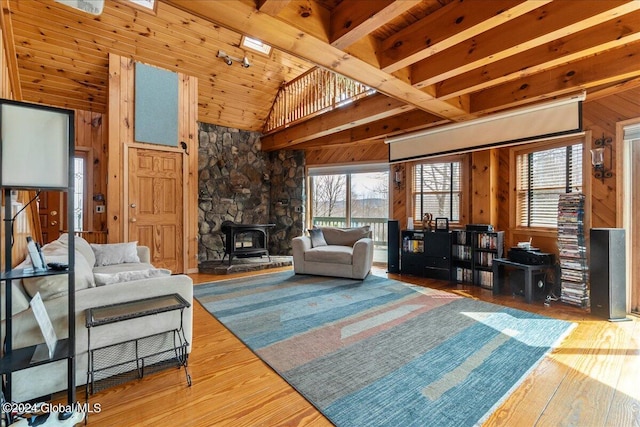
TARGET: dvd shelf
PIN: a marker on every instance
(426, 254)
(473, 253)
(572, 250)
(461, 256)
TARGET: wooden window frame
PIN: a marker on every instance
(541, 146)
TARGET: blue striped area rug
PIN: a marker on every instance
(380, 352)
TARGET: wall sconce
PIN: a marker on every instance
(229, 59)
(397, 177)
(600, 170)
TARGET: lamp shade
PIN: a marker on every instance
(35, 145)
(597, 157)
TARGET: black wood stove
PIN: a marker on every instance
(245, 240)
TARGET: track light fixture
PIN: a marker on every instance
(244, 62)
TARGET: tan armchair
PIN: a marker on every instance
(338, 252)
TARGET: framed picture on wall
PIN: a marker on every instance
(442, 224)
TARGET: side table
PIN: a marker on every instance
(151, 353)
(529, 271)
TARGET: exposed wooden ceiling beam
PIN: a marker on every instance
(405, 122)
(365, 110)
(9, 46)
(608, 67)
(243, 18)
(352, 21)
(309, 16)
(448, 26)
(539, 27)
(271, 7)
(597, 94)
(591, 41)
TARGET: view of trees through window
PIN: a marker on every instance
(437, 190)
(329, 196)
(368, 197)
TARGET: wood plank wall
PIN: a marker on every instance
(600, 116)
(91, 137)
(121, 134)
(484, 187)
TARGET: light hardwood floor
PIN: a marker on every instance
(590, 380)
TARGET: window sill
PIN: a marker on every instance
(536, 231)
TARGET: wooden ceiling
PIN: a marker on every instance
(432, 61)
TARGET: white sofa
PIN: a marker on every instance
(331, 251)
(135, 278)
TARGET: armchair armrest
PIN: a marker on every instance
(362, 257)
(299, 246)
(144, 254)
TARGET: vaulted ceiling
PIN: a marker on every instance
(431, 61)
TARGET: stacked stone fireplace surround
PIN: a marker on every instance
(239, 182)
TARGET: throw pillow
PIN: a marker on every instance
(57, 285)
(128, 276)
(82, 246)
(115, 253)
(345, 236)
(317, 238)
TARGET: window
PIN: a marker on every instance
(349, 199)
(352, 196)
(256, 45)
(79, 190)
(437, 189)
(541, 176)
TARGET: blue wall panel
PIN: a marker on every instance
(156, 105)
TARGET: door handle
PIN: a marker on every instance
(133, 220)
(54, 223)
(133, 205)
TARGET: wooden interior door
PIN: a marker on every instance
(51, 211)
(155, 205)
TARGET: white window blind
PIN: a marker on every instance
(541, 177)
(437, 190)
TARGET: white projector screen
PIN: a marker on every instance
(517, 126)
(35, 145)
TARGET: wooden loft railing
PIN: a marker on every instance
(315, 92)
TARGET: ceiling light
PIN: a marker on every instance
(244, 62)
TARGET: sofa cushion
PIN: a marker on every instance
(345, 236)
(330, 254)
(317, 238)
(117, 268)
(115, 253)
(128, 276)
(82, 246)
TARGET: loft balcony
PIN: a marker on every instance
(315, 92)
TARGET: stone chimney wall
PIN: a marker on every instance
(238, 182)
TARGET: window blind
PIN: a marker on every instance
(541, 177)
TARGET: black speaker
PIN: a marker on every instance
(393, 246)
(608, 273)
